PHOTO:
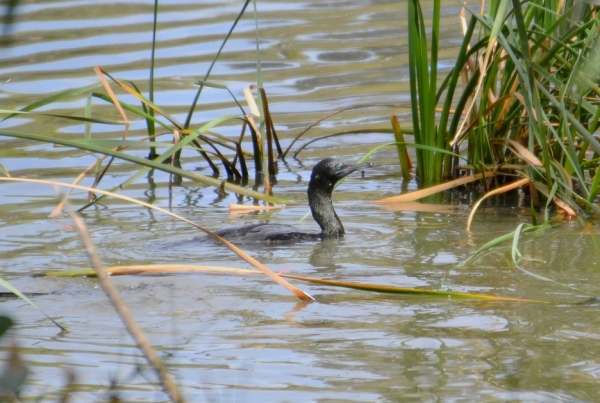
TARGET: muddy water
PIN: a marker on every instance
(243, 338)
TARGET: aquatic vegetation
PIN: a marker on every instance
(202, 140)
(529, 102)
(520, 102)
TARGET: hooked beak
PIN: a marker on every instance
(348, 169)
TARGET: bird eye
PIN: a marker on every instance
(338, 167)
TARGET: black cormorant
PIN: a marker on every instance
(324, 176)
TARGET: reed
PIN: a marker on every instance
(217, 150)
(528, 74)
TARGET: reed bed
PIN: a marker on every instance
(528, 105)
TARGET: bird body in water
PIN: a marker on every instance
(324, 176)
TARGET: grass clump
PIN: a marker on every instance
(529, 101)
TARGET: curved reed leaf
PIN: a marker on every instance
(19, 294)
(501, 239)
(503, 189)
(212, 84)
(516, 257)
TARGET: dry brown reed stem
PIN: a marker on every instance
(503, 189)
(403, 156)
(58, 209)
(419, 194)
(113, 295)
(264, 269)
(242, 209)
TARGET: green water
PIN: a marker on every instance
(244, 338)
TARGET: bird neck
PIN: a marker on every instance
(319, 200)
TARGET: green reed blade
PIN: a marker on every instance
(85, 119)
(500, 240)
(212, 84)
(19, 294)
(149, 123)
(129, 144)
(56, 97)
(153, 53)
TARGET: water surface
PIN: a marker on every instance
(244, 338)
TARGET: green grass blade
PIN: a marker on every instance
(259, 78)
(54, 115)
(515, 259)
(514, 251)
(150, 126)
(498, 241)
(129, 144)
(56, 97)
(581, 130)
(153, 53)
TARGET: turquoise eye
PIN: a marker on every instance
(338, 167)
